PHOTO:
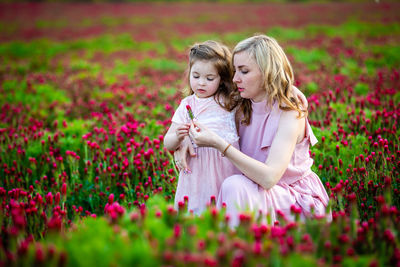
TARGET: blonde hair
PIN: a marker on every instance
(277, 74)
(221, 57)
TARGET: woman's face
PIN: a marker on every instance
(248, 77)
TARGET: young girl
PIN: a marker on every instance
(208, 97)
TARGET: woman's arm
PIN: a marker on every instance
(290, 131)
(175, 135)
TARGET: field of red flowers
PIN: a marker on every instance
(87, 92)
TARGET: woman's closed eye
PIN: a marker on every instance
(241, 71)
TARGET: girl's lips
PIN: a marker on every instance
(240, 89)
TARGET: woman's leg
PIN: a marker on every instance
(238, 193)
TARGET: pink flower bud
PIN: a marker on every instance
(57, 198)
(64, 189)
(177, 230)
(49, 198)
(110, 198)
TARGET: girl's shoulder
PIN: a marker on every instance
(186, 98)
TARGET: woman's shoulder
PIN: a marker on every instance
(291, 115)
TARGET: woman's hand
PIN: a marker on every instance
(202, 136)
(180, 155)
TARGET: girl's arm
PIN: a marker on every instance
(181, 155)
(290, 131)
(175, 135)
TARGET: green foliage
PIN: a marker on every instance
(105, 44)
(384, 56)
(17, 92)
(311, 88)
(313, 58)
(33, 49)
(81, 65)
(72, 139)
(235, 37)
(350, 68)
(169, 91)
(183, 44)
(34, 150)
(283, 34)
(94, 239)
(53, 24)
(163, 64)
(361, 88)
(396, 97)
(354, 28)
(120, 68)
(152, 129)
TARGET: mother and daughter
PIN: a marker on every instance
(250, 131)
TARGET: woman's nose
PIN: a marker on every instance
(236, 78)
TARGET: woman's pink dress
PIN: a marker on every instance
(209, 168)
(298, 186)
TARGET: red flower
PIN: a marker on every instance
(110, 198)
(64, 189)
(190, 112)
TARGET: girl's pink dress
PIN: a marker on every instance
(209, 168)
(298, 186)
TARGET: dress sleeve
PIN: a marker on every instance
(180, 113)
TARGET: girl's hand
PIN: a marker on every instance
(300, 96)
(182, 130)
(202, 136)
(180, 155)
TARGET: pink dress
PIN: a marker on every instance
(209, 168)
(298, 186)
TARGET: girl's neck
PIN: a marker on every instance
(203, 98)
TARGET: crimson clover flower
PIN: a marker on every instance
(190, 112)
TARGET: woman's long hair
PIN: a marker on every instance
(277, 74)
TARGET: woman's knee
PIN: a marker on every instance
(234, 184)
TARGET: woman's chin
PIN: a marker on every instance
(244, 95)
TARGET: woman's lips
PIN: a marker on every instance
(240, 89)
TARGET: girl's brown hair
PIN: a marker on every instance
(221, 57)
(277, 74)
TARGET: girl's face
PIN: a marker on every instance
(204, 78)
(248, 77)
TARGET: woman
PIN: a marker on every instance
(274, 139)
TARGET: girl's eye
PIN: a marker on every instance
(196, 77)
(244, 71)
(210, 79)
